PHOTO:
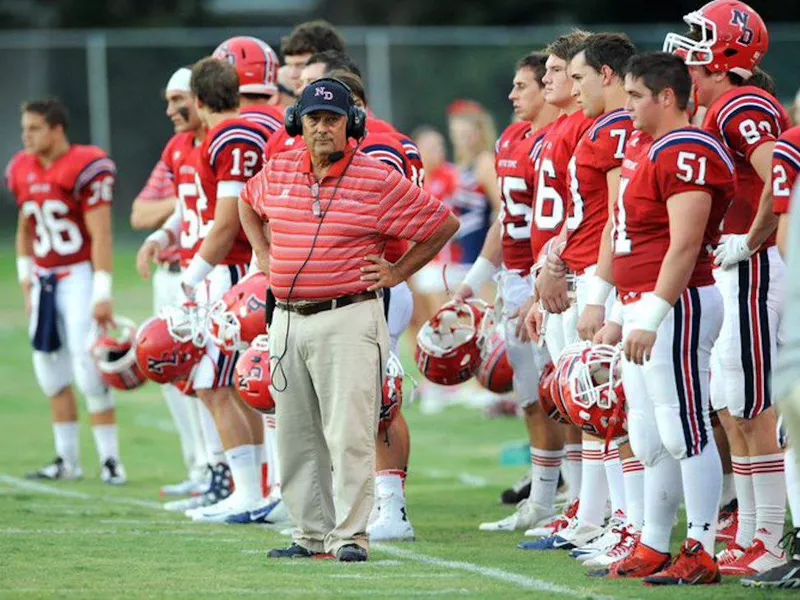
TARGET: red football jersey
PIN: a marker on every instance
(552, 189)
(181, 156)
(683, 160)
(744, 119)
(231, 154)
(55, 200)
(785, 168)
(269, 116)
(389, 150)
(281, 141)
(601, 150)
(516, 180)
(376, 125)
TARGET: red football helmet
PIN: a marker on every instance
(559, 390)
(546, 390)
(448, 351)
(168, 347)
(726, 36)
(115, 356)
(495, 372)
(594, 395)
(241, 314)
(255, 61)
(253, 376)
(392, 392)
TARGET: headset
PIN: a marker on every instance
(356, 117)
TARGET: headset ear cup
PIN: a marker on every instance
(356, 122)
(294, 125)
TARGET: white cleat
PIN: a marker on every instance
(392, 524)
(612, 534)
(623, 548)
(528, 514)
(184, 488)
(113, 473)
(554, 523)
(219, 512)
(58, 470)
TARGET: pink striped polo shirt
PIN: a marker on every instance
(364, 202)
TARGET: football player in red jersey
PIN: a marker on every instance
(597, 71)
(210, 232)
(785, 171)
(507, 246)
(151, 208)
(727, 41)
(674, 192)
(552, 164)
(64, 259)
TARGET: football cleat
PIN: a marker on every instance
(296, 551)
(189, 487)
(548, 527)
(219, 487)
(642, 561)
(728, 522)
(220, 511)
(392, 524)
(629, 537)
(186, 504)
(58, 470)
(693, 566)
(528, 514)
(756, 559)
(113, 473)
(612, 534)
(272, 511)
(729, 555)
(518, 492)
(574, 536)
(786, 576)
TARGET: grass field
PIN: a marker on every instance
(86, 540)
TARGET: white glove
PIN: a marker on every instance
(731, 250)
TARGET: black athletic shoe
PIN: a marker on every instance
(351, 553)
(786, 576)
(295, 551)
(58, 470)
(518, 492)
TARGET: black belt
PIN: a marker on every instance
(173, 267)
(312, 308)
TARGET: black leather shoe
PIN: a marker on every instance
(351, 553)
(293, 551)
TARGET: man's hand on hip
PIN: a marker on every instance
(381, 273)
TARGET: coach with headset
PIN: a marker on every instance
(330, 211)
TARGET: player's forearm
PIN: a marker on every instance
(605, 255)
(220, 238)
(151, 215)
(24, 246)
(253, 228)
(422, 253)
(676, 270)
(493, 244)
(783, 235)
(765, 222)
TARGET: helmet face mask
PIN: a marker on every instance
(115, 356)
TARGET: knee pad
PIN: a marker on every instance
(645, 443)
(53, 371)
(87, 377)
(671, 432)
(100, 403)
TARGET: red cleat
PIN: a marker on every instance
(693, 566)
(728, 522)
(643, 561)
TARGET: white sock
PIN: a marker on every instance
(769, 489)
(198, 438)
(273, 460)
(702, 487)
(215, 453)
(728, 489)
(662, 495)
(545, 467)
(572, 470)
(261, 463)
(594, 488)
(745, 494)
(390, 482)
(67, 441)
(246, 473)
(633, 475)
(179, 409)
(793, 486)
(106, 442)
(614, 479)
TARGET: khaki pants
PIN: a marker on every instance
(327, 391)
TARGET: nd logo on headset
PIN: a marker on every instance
(356, 117)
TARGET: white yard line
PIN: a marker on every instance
(521, 581)
(513, 579)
